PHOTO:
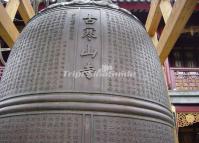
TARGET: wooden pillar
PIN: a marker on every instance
(26, 11)
(179, 16)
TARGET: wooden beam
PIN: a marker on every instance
(166, 8)
(26, 11)
(12, 7)
(8, 30)
(153, 18)
(180, 14)
(155, 39)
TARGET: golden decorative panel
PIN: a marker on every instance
(187, 119)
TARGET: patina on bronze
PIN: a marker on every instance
(42, 102)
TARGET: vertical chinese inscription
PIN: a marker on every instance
(118, 52)
(89, 34)
(90, 19)
(125, 50)
(38, 68)
(129, 130)
(89, 51)
(42, 128)
(88, 70)
(72, 27)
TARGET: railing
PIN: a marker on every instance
(183, 79)
(1, 72)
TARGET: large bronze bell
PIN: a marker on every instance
(52, 92)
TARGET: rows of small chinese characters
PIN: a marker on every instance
(89, 51)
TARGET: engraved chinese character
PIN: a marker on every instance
(88, 70)
(89, 51)
(89, 33)
(90, 19)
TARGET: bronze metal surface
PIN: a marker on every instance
(41, 103)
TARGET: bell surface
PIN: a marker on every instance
(84, 71)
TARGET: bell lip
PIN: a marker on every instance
(92, 113)
(91, 94)
(86, 102)
(88, 4)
